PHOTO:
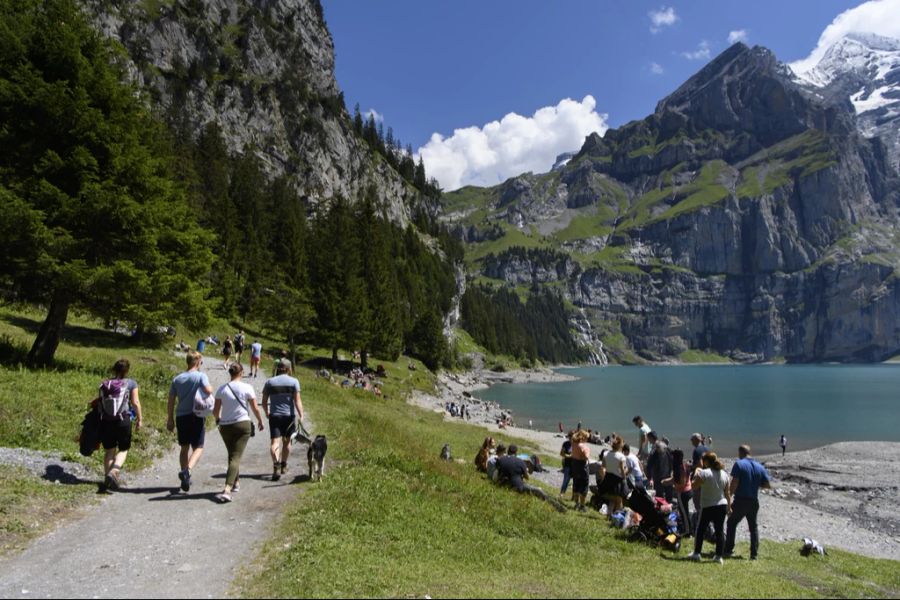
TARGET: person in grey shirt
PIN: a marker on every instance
(281, 403)
(191, 428)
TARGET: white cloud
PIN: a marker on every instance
(701, 53)
(656, 68)
(738, 35)
(877, 16)
(664, 17)
(379, 118)
(511, 146)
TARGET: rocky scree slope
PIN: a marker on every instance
(263, 70)
(746, 217)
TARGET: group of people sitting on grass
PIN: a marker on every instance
(505, 466)
(677, 483)
(191, 400)
(364, 379)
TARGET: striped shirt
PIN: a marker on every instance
(280, 391)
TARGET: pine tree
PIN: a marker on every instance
(84, 172)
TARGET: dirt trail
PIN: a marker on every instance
(148, 542)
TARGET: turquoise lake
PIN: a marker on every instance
(812, 405)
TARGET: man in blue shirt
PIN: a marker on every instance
(747, 476)
(191, 428)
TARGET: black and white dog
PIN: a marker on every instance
(316, 457)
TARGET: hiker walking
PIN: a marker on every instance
(227, 350)
(118, 396)
(239, 341)
(783, 443)
(281, 403)
(255, 355)
(747, 476)
(191, 427)
(234, 401)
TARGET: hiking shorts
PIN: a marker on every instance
(191, 430)
(116, 434)
(281, 427)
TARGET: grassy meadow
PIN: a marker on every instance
(390, 518)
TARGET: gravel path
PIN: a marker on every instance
(148, 542)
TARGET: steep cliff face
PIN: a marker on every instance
(264, 71)
(746, 217)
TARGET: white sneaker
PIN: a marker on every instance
(693, 556)
(718, 559)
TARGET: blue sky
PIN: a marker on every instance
(433, 67)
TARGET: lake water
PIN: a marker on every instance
(812, 405)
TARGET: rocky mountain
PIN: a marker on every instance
(263, 70)
(864, 68)
(747, 217)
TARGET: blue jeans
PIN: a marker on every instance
(567, 477)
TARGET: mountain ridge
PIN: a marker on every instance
(726, 222)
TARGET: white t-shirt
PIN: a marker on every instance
(712, 493)
(232, 411)
(612, 462)
(255, 349)
(634, 466)
(647, 448)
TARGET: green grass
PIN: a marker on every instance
(701, 357)
(393, 520)
(468, 197)
(584, 227)
(513, 237)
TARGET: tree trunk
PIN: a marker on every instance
(334, 360)
(363, 359)
(44, 348)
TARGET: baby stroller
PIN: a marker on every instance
(656, 526)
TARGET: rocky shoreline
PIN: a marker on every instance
(841, 494)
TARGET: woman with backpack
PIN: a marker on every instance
(234, 400)
(715, 503)
(117, 398)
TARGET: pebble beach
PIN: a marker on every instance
(841, 494)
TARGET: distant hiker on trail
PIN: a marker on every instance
(239, 341)
(255, 355)
(117, 398)
(747, 476)
(234, 400)
(283, 393)
(191, 428)
(783, 443)
(227, 349)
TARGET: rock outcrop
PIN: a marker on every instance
(747, 217)
(263, 70)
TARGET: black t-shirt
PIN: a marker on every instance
(699, 451)
(514, 470)
(567, 449)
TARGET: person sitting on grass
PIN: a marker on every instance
(513, 472)
(492, 462)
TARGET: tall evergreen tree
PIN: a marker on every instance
(84, 172)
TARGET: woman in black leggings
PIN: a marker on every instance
(715, 503)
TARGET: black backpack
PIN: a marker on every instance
(89, 440)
